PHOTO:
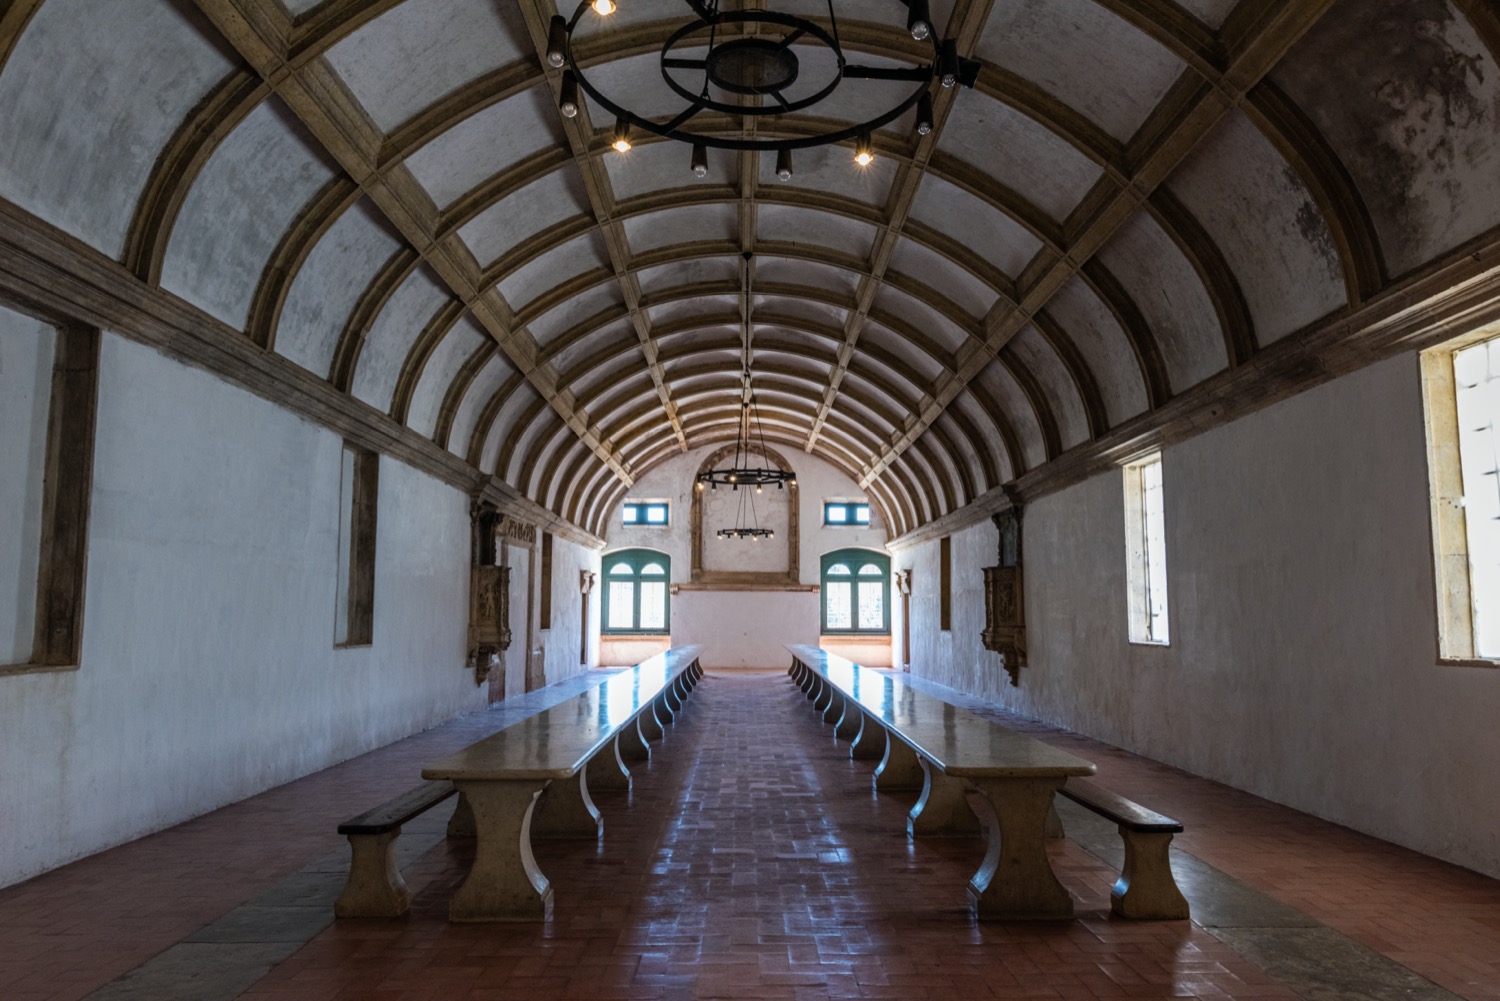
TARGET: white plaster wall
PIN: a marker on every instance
(562, 641)
(208, 670)
(26, 349)
(1303, 658)
(743, 628)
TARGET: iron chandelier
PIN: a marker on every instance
(751, 70)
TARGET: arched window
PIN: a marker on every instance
(856, 592)
(635, 591)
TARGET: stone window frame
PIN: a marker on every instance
(854, 557)
(636, 558)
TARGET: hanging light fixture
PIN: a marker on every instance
(749, 441)
(744, 64)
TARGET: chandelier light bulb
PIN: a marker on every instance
(567, 98)
(864, 150)
(621, 141)
(784, 165)
(700, 160)
(604, 8)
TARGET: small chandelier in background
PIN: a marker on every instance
(751, 70)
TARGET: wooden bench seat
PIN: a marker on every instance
(1146, 888)
(375, 887)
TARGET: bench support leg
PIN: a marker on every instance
(505, 883)
(565, 810)
(899, 768)
(375, 888)
(849, 722)
(869, 743)
(1016, 881)
(607, 771)
(633, 746)
(943, 810)
(461, 824)
(1146, 888)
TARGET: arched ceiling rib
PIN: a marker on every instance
(1139, 197)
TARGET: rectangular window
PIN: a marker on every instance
(1461, 387)
(653, 513)
(546, 585)
(846, 513)
(945, 578)
(359, 481)
(1146, 552)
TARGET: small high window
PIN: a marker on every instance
(654, 513)
(635, 592)
(856, 588)
(846, 513)
(1146, 552)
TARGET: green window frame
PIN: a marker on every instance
(852, 581)
(653, 514)
(636, 593)
(839, 514)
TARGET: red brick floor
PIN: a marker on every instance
(750, 861)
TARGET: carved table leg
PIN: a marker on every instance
(663, 710)
(825, 696)
(899, 768)
(504, 883)
(809, 683)
(375, 888)
(669, 696)
(1146, 888)
(943, 809)
(849, 721)
(607, 771)
(633, 747)
(835, 708)
(648, 724)
(566, 811)
(869, 743)
(1016, 881)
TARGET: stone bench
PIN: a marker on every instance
(375, 888)
(950, 752)
(1146, 888)
(532, 779)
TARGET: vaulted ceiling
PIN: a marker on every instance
(1142, 205)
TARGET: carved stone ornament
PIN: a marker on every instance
(1004, 607)
(586, 580)
(489, 592)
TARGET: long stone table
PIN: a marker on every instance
(504, 776)
(1015, 775)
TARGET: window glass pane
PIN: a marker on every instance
(631, 514)
(862, 514)
(1476, 373)
(654, 605)
(837, 595)
(1156, 550)
(869, 570)
(871, 604)
(621, 569)
(656, 514)
(838, 570)
(835, 514)
(621, 604)
(653, 568)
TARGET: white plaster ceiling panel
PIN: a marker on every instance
(330, 283)
(553, 268)
(1050, 42)
(504, 424)
(810, 373)
(1255, 207)
(669, 313)
(577, 309)
(1171, 296)
(300, 6)
(466, 337)
(924, 318)
(1105, 348)
(689, 224)
(908, 386)
(832, 170)
(720, 359)
(821, 349)
(636, 83)
(1210, 12)
(1033, 351)
(76, 147)
(928, 477)
(965, 452)
(550, 199)
(919, 361)
(561, 439)
(527, 439)
(687, 342)
(486, 382)
(1415, 121)
(589, 383)
(849, 404)
(990, 438)
(1019, 153)
(452, 41)
(959, 286)
(821, 313)
(247, 196)
(820, 276)
(861, 100)
(976, 224)
(1016, 408)
(659, 166)
(486, 143)
(786, 224)
(602, 342)
(392, 335)
(696, 271)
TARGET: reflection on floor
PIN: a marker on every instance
(749, 861)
